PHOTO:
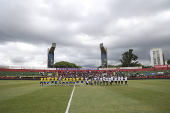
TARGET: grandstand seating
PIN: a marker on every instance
(26, 74)
(35, 72)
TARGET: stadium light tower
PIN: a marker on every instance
(50, 56)
(104, 61)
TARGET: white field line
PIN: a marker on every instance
(68, 106)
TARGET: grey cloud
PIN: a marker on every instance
(66, 22)
(133, 8)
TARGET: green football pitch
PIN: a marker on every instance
(139, 96)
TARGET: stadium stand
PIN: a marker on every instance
(41, 73)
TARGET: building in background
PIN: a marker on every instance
(157, 58)
(104, 60)
(50, 56)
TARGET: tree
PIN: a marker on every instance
(111, 66)
(65, 64)
(99, 67)
(168, 62)
(129, 59)
(139, 64)
(147, 66)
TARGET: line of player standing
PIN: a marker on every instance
(106, 80)
(90, 80)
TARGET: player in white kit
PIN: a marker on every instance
(111, 80)
(98, 79)
(126, 80)
(101, 80)
(116, 80)
(122, 79)
(107, 79)
(89, 81)
(86, 81)
(119, 80)
(95, 80)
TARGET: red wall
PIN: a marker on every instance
(36, 70)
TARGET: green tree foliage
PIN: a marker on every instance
(147, 67)
(99, 67)
(168, 62)
(65, 64)
(111, 66)
(129, 59)
(139, 64)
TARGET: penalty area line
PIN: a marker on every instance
(68, 106)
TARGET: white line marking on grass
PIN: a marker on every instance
(68, 106)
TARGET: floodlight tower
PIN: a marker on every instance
(50, 56)
(104, 61)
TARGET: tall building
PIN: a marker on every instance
(156, 56)
(104, 61)
(50, 56)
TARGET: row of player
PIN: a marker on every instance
(97, 80)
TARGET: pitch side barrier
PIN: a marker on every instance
(118, 69)
(21, 78)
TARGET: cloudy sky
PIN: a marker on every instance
(29, 27)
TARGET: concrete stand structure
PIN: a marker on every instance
(104, 61)
(50, 56)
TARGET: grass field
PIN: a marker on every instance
(140, 96)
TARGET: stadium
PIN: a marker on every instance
(21, 91)
(84, 90)
(84, 56)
